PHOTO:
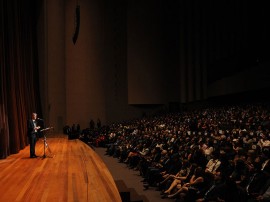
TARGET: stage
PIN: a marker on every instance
(69, 171)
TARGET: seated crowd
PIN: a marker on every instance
(211, 154)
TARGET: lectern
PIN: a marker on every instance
(45, 142)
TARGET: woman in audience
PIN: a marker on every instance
(154, 175)
(179, 179)
(194, 187)
(214, 163)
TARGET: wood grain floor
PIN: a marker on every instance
(72, 171)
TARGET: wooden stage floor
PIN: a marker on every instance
(71, 172)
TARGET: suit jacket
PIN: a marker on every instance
(30, 128)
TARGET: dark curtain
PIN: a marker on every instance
(19, 88)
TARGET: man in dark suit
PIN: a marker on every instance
(260, 180)
(32, 132)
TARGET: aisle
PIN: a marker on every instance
(132, 179)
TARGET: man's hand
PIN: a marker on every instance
(259, 198)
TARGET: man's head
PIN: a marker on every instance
(34, 116)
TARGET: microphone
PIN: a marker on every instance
(39, 119)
